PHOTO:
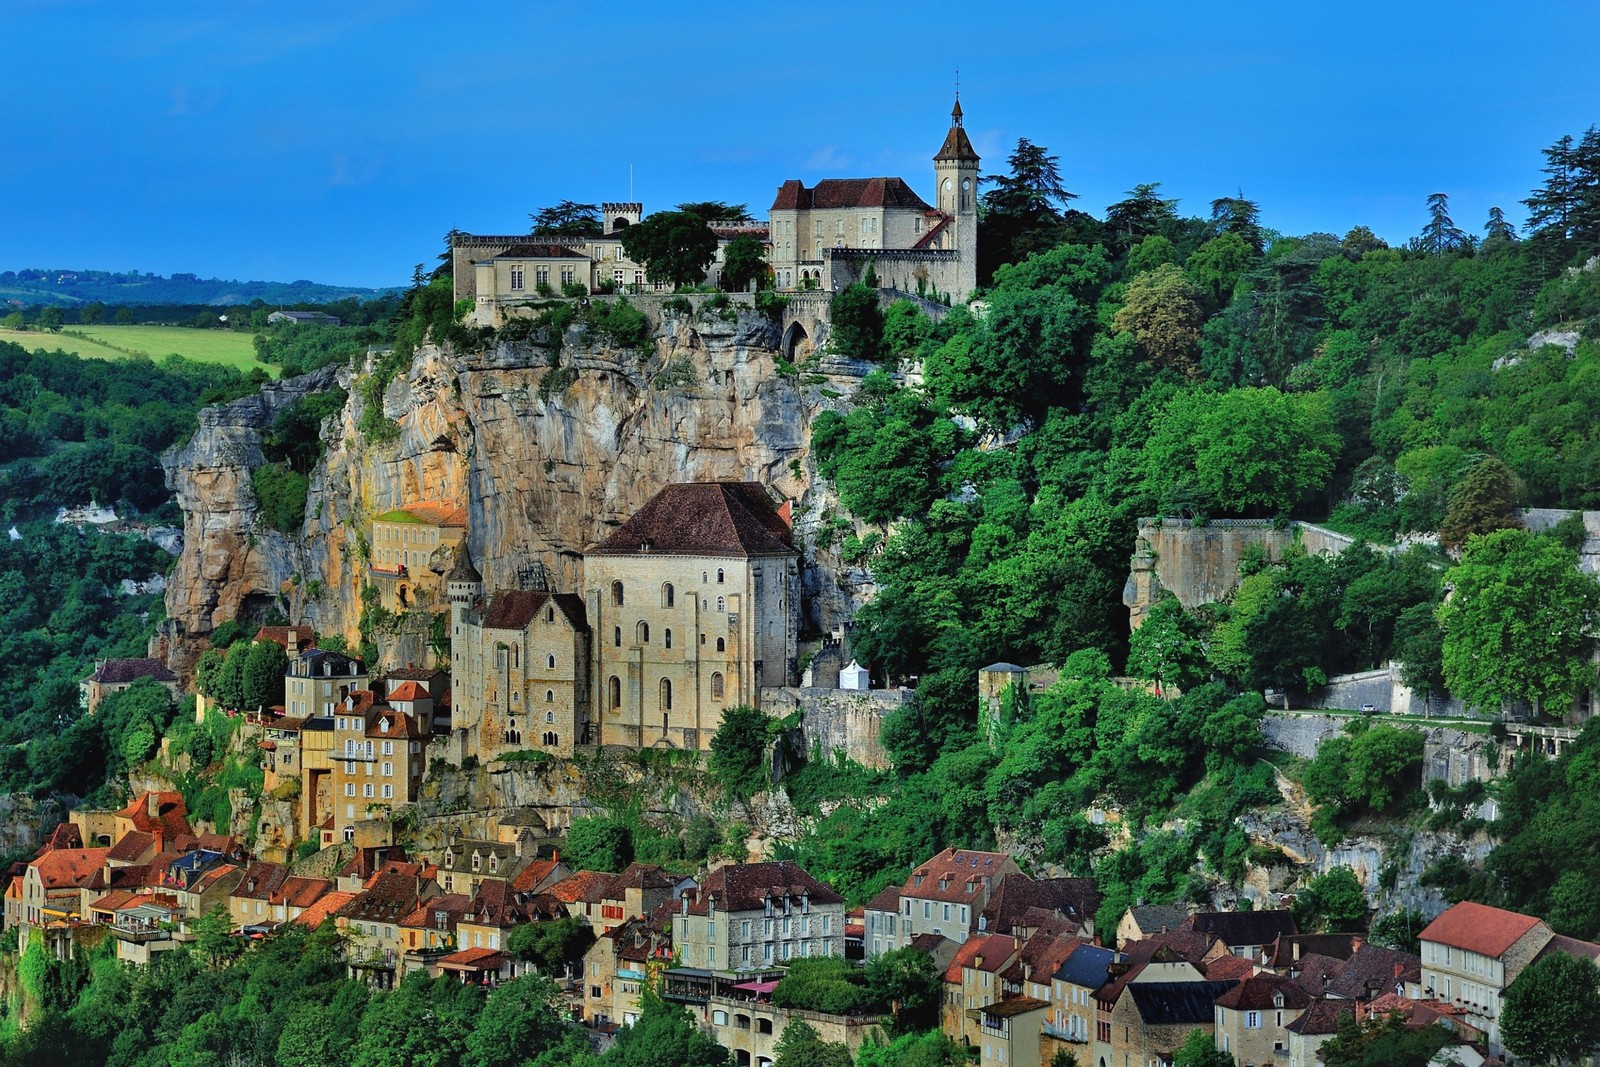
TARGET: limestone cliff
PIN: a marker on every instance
(544, 471)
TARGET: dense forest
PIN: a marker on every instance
(1141, 363)
(138, 289)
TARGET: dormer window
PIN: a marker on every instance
(383, 725)
(1277, 1000)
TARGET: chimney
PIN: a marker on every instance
(152, 803)
(786, 513)
(292, 641)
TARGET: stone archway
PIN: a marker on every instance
(793, 338)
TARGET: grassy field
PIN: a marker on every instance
(116, 342)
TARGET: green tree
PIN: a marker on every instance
(1163, 311)
(1167, 648)
(674, 246)
(50, 318)
(739, 750)
(551, 945)
(520, 1020)
(214, 938)
(857, 322)
(801, 1046)
(1217, 266)
(664, 1035)
(264, 668)
(567, 219)
(1551, 1012)
(1383, 1041)
(744, 264)
(1022, 210)
(1516, 622)
(907, 980)
(1483, 502)
(1199, 1049)
(711, 211)
(230, 679)
(1333, 901)
(1441, 234)
(597, 843)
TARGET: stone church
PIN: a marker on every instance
(690, 607)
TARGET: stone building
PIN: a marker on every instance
(376, 762)
(318, 681)
(115, 675)
(749, 916)
(520, 668)
(1472, 953)
(823, 236)
(693, 607)
(411, 547)
(944, 896)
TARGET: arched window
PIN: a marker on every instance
(668, 595)
(549, 717)
(719, 575)
(550, 614)
(615, 685)
(549, 696)
(722, 603)
(644, 632)
(666, 694)
(666, 637)
(716, 685)
(516, 655)
(616, 593)
(616, 636)
(550, 661)
(704, 577)
(550, 739)
(722, 644)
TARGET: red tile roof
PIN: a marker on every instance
(172, 816)
(299, 892)
(957, 876)
(64, 867)
(261, 879)
(474, 959)
(831, 193)
(330, 904)
(131, 846)
(409, 690)
(1478, 928)
(427, 914)
(1224, 967)
(534, 875)
(733, 519)
(581, 885)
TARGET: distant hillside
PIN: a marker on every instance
(74, 287)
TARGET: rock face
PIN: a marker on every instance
(543, 471)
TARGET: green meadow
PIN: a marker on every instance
(117, 342)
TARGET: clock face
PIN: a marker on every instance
(965, 186)
(948, 185)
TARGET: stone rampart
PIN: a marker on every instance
(837, 720)
(897, 268)
(1449, 752)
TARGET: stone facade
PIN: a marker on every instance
(839, 722)
(410, 549)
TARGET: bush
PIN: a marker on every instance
(823, 983)
(280, 496)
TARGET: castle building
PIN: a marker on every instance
(693, 606)
(823, 236)
(505, 276)
(519, 664)
(410, 547)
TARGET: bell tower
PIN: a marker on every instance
(955, 169)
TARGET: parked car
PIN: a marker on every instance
(1369, 709)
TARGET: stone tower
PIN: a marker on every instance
(955, 169)
(463, 585)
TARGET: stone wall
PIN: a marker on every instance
(896, 268)
(838, 721)
(1456, 755)
(1198, 564)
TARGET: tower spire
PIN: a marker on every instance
(955, 112)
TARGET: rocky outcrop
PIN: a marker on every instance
(231, 565)
(545, 469)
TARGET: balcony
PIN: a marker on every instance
(140, 935)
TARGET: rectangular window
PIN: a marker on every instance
(388, 770)
(366, 790)
(388, 748)
(541, 275)
(388, 791)
(516, 277)
(1252, 1020)
(349, 789)
(566, 275)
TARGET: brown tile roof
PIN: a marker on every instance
(261, 879)
(1261, 991)
(426, 914)
(64, 867)
(411, 674)
(643, 876)
(533, 877)
(1570, 946)
(365, 861)
(1290, 948)
(957, 145)
(995, 953)
(1224, 967)
(122, 671)
(279, 635)
(493, 905)
(747, 887)
(131, 846)
(1479, 928)
(832, 193)
(473, 959)
(1007, 1009)
(1372, 970)
(388, 898)
(1322, 1017)
(540, 251)
(888, 900)
(1310, 969)
(957, 876)
(580, 886)
(398, 722)
(172, 817)
(734, 519)
(1192, 945)
(514, 609)
(1021, 902)
(330, 905)
(300, 892)
(964, 955)
(65, 835)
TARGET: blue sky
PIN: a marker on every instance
(339, 141)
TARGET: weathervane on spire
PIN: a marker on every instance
(955, 112)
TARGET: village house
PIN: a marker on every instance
(115, 675)
(1472, 953)
(746, 1022)
(973, 980)
(318, 681)
(429, 932)
(1143, 920)
(372, 920)
(1071, 1020)
(752, 915)
(410, 548)
(694, 605)
(377, 761)
(620, 963)
(943, 896)
(1251, 1019)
